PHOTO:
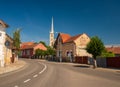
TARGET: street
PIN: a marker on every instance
(54, 74)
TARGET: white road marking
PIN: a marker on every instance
(35, 75)
(43, 69)
(27, 80)
(16, 86)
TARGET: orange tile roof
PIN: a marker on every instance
(115, 50)
(40, 46)
(72, 38)
(28, 46)
(64, 37)
(32, 45)
(27, 43)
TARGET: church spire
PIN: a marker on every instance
(52, 27)
(52, 34)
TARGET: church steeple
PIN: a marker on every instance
(52, 34)
(52, 27)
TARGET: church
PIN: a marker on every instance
(68, 47)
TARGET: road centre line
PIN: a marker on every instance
(16, 86)
(35, 75)
(45, 67)
(27, 80)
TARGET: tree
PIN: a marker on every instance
(43, 43)
(50, 51)
(95, 47)
(39, 52)
(16, 41)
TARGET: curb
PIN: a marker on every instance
(12, 67)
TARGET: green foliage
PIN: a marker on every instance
(50, 51)
(16, 39)
(95, 47)
(39, 52)
(107, 54)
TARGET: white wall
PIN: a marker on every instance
(2, 46)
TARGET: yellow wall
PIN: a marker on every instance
(8, 55)
(81, 44)
(8, 51)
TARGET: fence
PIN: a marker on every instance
(82, 60)
(113, 62)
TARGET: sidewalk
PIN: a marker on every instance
(14, 66)
(90, 66)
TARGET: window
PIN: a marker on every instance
(67, 53)
(7, 43)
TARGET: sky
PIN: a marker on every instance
(94, 17)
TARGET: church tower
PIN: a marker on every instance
(52, 35)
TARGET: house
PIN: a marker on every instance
(114, 49)
(3, 27)
(8, 49)
(28, 49)
(67, 47)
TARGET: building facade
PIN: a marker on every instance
(68, 47)
(8, 49)
(3, 27)
(28, 49)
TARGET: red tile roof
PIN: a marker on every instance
(28, 46)
(32, 45)
(73, 38)
(64, 37)
(27, 43)
(115, 50)
(67, 38)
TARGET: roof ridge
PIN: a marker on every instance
(72, 38)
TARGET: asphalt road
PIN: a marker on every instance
(53, 74)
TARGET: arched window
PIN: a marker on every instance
(7, 43)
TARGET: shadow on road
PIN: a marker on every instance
(81, 66)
